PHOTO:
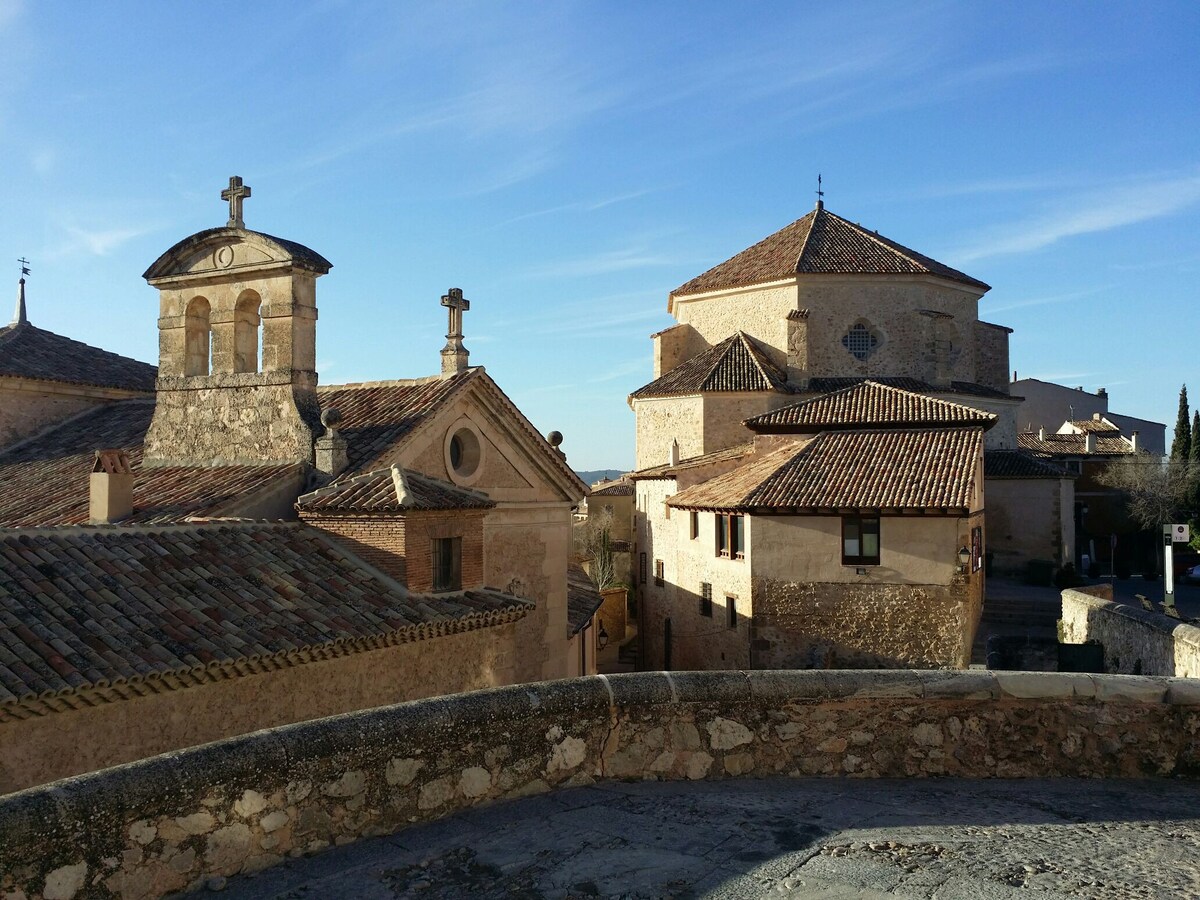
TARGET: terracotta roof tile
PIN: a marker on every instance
(582, 599)
(717, 456)
(30, 352)
(735, 364)
(377, 416)
(820, 243)
(1095, 426)
(376, 492)
(45, 478)
(1063, 445)
(89, 606)
(869, 405)
(1019, 464)
(621, 488)
(910, 470)
(824, 385)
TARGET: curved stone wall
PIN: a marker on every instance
(171, 822)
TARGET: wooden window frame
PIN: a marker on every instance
(872, 526)
(446, 559)
(731, 613)
(731, 536)
(693, 525)
(659, 573)
(706, 607)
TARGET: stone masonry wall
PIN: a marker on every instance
(250, 419)
(28, 406)
(838, 626)
(42, 748)
(172, 822)
(1136, 640)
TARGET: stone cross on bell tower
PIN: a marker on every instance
(454, 354)
(235, 194)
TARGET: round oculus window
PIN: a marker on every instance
(463, 452)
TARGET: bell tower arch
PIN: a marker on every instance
(237, 353)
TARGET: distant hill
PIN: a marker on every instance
(591, 476)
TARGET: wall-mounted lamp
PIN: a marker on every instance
(602, 637)
(964, 559)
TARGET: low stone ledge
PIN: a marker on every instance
(169, 823)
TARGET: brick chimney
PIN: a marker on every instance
(110, 488)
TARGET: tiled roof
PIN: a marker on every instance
(735, 364)
(582, 599)
(1095, 426)
(379, 493)
(824, 385)
(376, 416)
(45, 478)
(130, 611)
(913, 470)
(27, 351)
(1072, 445)
(621, 488)
(820, 243)
(1019, 464)
(869, 405)
(718, 456)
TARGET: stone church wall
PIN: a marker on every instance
(171, 823)
(201, 421)
(44, 748)
(28, 407)
(1136, 641)
(660, 420)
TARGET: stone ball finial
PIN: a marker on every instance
(331, 417)
(554, 439)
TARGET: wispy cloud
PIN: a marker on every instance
(94, 241)
(1052, 299)
(629, 367)
(584, 206)
(603, 263)
(1101, 210)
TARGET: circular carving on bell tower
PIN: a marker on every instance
(223, 257)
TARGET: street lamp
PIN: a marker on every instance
(602, 637)
(964, 557)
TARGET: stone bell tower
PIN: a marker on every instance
(237, 380)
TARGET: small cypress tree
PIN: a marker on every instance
(1181, 445)
(1194, 473)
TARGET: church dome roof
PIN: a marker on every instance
(821, 243)
(270, 249)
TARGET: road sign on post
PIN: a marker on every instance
(1169, 532)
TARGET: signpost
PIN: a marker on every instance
(1172, 535)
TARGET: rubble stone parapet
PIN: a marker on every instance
(175, 821)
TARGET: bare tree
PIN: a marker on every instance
(592, 543)
(1157, 491)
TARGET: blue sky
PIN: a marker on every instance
(568, 164)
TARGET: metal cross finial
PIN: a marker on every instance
(456, 304)
(235, 194)
(24, 266)
(820, 193)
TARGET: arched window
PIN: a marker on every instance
(196, 337)
(246, 328)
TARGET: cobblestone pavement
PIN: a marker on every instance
(822, 838)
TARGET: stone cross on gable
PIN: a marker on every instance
(456, 305)
(235, 194)
(454, 354)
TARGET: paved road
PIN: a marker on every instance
(826, 839)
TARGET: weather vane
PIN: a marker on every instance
(24, 266)
(820, 193)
